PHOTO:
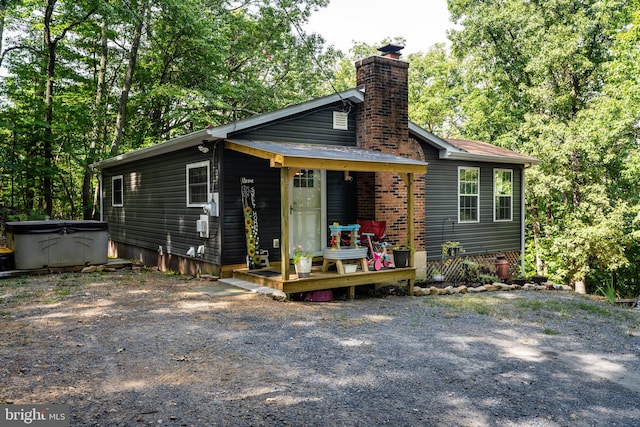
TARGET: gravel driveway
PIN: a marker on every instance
(145, 348)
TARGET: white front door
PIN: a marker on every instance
(308, 214)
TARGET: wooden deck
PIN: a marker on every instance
(320, 280)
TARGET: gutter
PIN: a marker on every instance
(523, 185)
(190, 140)
(101, 198)
(471, 157)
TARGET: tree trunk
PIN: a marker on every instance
(50, 45)
(88, 206)
(3, 11)
(128, 79)
(47, 172)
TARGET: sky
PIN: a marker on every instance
(421, 22)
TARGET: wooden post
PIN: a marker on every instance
(284, 223)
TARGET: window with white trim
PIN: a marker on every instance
(468, 194)
(198, 184)
(502, 194)
(117, 191)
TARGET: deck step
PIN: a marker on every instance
(252, 287)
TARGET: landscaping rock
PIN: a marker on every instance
(279, 296)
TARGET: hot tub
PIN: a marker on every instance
(38, 244)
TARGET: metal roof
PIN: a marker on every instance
(329, 157)
(485, 150)
(460, 149)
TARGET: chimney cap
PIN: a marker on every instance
(391, 50)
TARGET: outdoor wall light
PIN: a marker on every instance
(203, 149)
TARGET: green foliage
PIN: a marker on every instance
(199, 63)
(471, 270)
(435, 91)
(559, 81)
(485, 279)
(608, 291)
(450, 249)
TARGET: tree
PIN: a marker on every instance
(66, 18)
(535, 74)
(88, 79)
(435, 91)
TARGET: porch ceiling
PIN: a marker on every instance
(328, 157)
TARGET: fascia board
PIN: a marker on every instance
(451, 155)
(190, 140)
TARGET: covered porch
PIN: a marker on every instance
(292, 158)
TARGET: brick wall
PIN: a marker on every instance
(383, 125)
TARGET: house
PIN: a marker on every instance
(212, 200)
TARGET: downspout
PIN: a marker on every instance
(101, 198)
(523, 184)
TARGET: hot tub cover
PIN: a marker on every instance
(56, 226)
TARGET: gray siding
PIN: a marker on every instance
(442, 224)
(310, 128)
(341, 199)
(341, 206)
(267, 185)
(155, 211)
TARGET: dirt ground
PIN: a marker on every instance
(145, 348)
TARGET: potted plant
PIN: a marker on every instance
(451, 249)
(302, 261)
(471, 270)
(437, 276)
(401, 256)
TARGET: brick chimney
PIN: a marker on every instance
(383, 118)
(383, 125)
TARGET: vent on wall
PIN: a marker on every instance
(340, 120)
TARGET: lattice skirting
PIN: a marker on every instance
(453, 269)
